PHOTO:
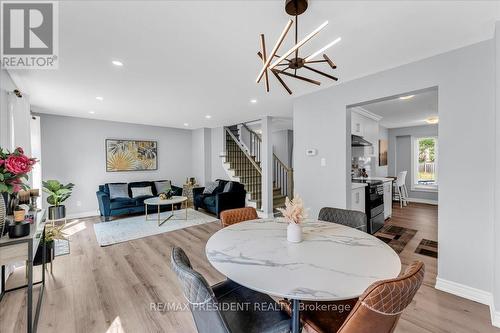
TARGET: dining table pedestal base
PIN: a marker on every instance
(295, 316)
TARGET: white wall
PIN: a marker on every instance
(496, 235)
(282, 146)
(465, 78)
(6, 86)
(73, 150)
(218, 171)
(399, 156)
(201, 155)
(14, 116)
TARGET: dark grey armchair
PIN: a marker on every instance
(215, 309)
(350, 218)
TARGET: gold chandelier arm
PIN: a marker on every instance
(300, 78)
(281, 81)
(299, 44)
(263, 47)
(274, 50)
(321, 73)
(329, 61)
(277, 76)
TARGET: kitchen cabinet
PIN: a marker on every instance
(357, 124)
(358, 199)
(387, 200)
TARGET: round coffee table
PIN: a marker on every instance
(159, 202)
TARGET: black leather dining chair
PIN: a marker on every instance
(350, 218)
(214, 308)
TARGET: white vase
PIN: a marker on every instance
(294, 232)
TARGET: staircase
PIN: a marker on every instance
(243, 163)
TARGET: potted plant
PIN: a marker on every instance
(14, 169)
(57, 194)
(51, 233)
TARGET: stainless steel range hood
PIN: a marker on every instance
(358, 141)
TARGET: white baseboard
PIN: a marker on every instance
(495, 316)
(473, 294)
(83, 214)
(424, 201)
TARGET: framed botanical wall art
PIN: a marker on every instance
(382, 152)
(131, 155)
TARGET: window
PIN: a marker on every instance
(425, 163)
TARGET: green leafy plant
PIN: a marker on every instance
(58, 193)
(54, 232)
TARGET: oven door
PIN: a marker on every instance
(375, 196)
(377, 221)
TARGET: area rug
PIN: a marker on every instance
(126, 229)
(428, 248)
(396, 237)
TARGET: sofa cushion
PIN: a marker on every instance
(220, 188)
(209, 201)
(228, 187)
(163, 186)
(140, 184)
(117, 190)
(211, 187)
(139, 201)
(141, 191)
(121, 203)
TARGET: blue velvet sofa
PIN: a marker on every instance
(122, 206)
(219, 201)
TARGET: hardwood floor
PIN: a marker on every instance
(110, 289)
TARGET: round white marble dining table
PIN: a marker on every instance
(333, 262)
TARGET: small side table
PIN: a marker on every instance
(187, 191)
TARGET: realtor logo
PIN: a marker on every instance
(29, 32)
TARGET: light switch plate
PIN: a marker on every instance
(323, 161)
(311, 152)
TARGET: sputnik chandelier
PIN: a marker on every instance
(289, 67)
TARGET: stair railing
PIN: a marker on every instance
(283, 177)
(249, 173)
(255, 143)
(242, 148)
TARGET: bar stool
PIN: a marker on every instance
(402, 189)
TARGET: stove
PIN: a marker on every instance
(374, 203)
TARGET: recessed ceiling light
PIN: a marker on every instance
(91, 112)
(432, 120)
(117, 63)
(99, 98)
(407, 97)
(186, 124)
(253, 101)
(208, 116)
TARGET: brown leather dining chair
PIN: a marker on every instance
(376, 311)
(237, 215)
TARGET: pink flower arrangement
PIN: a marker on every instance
(294, 210)
(14, 167)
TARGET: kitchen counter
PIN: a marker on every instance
(358, 185)
(383, 179)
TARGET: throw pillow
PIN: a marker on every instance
(163, 187)
(141, 191)
(118, 191)
(210, 187)
(228, 187)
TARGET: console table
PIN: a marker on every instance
(23, 249)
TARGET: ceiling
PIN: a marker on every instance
(184, 60)
(413, 111)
